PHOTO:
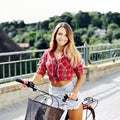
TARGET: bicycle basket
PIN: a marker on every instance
(40, 111)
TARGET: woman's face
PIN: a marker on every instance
(61, 36)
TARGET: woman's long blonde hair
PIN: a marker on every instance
(70, 50)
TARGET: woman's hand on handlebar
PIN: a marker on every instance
(25, 83)
(70, 96)
(73, 96)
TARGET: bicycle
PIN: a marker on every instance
(40, 108)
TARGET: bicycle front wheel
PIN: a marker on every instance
(88, 113)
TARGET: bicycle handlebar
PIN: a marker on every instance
(29, 84)
(32, 85)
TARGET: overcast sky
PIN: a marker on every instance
(38, 10)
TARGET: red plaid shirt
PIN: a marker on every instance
(60, 70)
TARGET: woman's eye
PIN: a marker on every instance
(59, 33)
(62, 34)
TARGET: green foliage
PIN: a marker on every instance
(112, 26)
(84, 25)
(41, 44)
(81, 20)
(85, 38)
(116, 34)
(94, 40)
(95, 19)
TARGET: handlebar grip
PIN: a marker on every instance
(65, 98)
(19, 80)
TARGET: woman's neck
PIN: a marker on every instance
(59, 49)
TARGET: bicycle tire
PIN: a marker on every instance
(88, 112)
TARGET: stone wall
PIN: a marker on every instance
(94, 72)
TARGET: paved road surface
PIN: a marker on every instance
(106, 89)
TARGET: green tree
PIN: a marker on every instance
(95, 19)
(94, 40)
(109, 35)
(116, 33)
(85, 38)
(77, 36)
(67, 17)
(112, 26)
(45, 25)
(81, 20)
(41, 44)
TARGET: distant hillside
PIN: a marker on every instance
(7, 45)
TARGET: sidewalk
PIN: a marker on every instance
(106, 90)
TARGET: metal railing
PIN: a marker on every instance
(99, 53)
(24, 63)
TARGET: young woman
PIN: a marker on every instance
(61, 61)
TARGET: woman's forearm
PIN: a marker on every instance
(79, 83)
(36, 78)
